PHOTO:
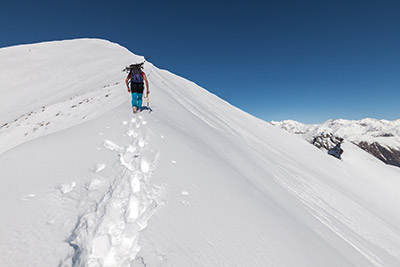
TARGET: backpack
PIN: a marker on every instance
(136, 73)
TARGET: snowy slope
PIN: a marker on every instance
(195, 182)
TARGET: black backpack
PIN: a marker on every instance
(136, 73)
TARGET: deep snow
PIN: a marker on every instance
(194, 182)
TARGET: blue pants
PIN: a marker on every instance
(137, 100)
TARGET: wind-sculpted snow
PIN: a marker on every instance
(190, 181)
(49, 119)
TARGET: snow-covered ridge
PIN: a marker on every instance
(51, 86)
(43, 74)
(191, 181)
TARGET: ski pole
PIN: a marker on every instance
(147, 99)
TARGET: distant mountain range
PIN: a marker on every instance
(380, 138)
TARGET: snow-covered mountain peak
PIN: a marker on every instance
(42, 85)
(290, 125)
(49, 72)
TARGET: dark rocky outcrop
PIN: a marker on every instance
(385, 154)
(330, 143)
(336, 151)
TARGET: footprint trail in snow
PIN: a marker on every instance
(108, 234)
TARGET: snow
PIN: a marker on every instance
(99, 167)
(66, 188)
(194, 182)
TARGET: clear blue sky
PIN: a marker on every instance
(303, 60)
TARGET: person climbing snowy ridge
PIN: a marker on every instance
(136, 79)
